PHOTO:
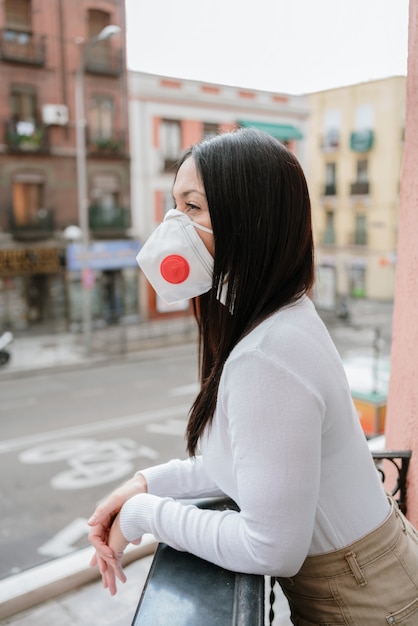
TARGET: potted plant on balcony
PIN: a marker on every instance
(107, 145)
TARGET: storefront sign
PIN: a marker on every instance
(17, 262)
(103, 255)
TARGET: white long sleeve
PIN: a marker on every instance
(285, 444)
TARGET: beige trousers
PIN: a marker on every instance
(372, 582)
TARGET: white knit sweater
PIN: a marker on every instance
(285, 444)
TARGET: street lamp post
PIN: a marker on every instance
(83, 202)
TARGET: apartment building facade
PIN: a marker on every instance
(45, 47)
(356, 136)
(168, 115)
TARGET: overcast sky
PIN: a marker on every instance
(293, 46)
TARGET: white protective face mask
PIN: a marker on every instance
(175, 260)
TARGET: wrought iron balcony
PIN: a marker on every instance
(22, 47)
(109, 221)
(360, 188)
(26, 137)
(112, 146)
(330, 140)
(328, 238)
(330, 189)
(358, 238)
(40, 225)
(104, 60)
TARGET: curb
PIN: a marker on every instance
(101, 358)
(40, 584)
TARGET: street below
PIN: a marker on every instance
(70, 437)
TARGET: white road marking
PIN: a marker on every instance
(117, 423)
(61, 543)
(169, 427)
(90, 462)
(184, 390)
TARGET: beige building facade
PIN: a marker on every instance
(355, 149)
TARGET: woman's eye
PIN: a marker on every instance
(191, 207)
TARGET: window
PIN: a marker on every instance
(362, 171)
(210, 130)
(330, 179)
(361, 185)
(105, 191)
(19, 44)
(360, 233)
(100, 118)
(329, 235)
(331, 129)
(362, 139)
(364, 117)
(99, 54)
(170, 142)
(105, 209)
(18, 15)
(23, 107)
(27, 203)
(357, 282)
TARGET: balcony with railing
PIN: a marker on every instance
(104, 60)
(329, 189)
(113, 146)
(327, 237)
(24, 137)
(22, 47)
(109, 221)
(40, 225)
(360, 188)
(358, 238)
(330, 140)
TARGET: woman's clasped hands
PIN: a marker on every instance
(105, 533)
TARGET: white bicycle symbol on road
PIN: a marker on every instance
(91, 462)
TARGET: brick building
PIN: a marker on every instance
(43, 45)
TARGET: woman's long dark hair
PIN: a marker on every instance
(261, 219)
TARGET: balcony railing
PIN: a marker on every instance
(327, 238)
(203, 593)
(108, 221)
(38, 226)
(330, 189)
(358, 238)
(104, 61)
(360, 188)
(22, 47)
(26, 137)
(330, 141)
(115, 145)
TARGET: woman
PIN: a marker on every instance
(273, 425)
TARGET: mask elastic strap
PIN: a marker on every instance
(207, 230)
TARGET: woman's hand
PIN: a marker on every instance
(101, 523)
(113, 570)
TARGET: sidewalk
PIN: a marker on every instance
(38, 353)
(69, 593)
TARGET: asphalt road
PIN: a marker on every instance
(70, 437)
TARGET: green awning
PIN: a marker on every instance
(282, 132)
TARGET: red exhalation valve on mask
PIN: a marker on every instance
(174, 269)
